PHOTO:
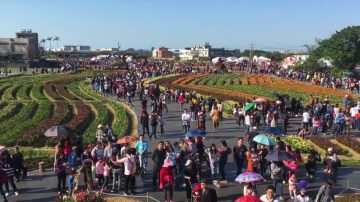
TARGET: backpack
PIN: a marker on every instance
(135, 167)
(154, 120)
(4, 178)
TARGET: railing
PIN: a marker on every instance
(147, 197)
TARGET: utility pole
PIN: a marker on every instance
(251, 54)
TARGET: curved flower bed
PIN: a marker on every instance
(298, 143)
(352, 143)
(325, 143)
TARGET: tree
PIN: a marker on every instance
(57, 39)
(342, 48)
(49, 39)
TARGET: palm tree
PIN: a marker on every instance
(42, 41)
(49, 39)
(57, 39)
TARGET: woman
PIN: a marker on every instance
(60, 166)
(171, 155)
(215, 117)
(223, 151)
(86, 160)
(181, 100)
(253, 159)
(167, 180)
(212, 153)
(263, 162)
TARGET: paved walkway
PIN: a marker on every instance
(43, 187)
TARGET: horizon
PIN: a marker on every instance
(139, 24)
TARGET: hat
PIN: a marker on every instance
(188, 162)
(303, 190)
(254, 128)
(330, 149)
(167, 164)
(100, 126)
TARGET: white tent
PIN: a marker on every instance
(129, 59)
(264, 59)
(215, 60)
(243, 58)
(231, 59)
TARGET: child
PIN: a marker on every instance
(70, 182)
(107, 170)
(100, 172)
(292, 185)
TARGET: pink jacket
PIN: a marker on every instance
(99, 168)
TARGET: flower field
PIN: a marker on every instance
(30, 104)
(244, 86)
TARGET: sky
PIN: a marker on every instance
(269, 25)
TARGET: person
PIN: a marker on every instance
(99, 171)
(70, 182)
(158, 158)
(212, 153)
(325, 193)
(129, 162)
(189, 177)
(207, 194)
(108, 151)
(239, 155)
(263, 151)
(292, 185)
(305, 119)
(4, 178)
(181, 100)
(100, 133)
(302, 197)
(269, 195)
(252, 159)
(97, 152)
(253, 133)
(18, 162)
(220, 107)
(141, 148)
(215, 117)
(154, 122)
(67, 147)
(281, 144)
(60, 172)
(277, 173)
(144, 121)
(224, 151)
(166, 182)
(117, 171)
(107, 171)
(162, 124)
(86, 160)
(109, 132)
(250, 189)
(185, 117)
(310, 165)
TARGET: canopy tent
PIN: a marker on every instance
(243, 58)
(215, 60)
(231, 59)
(264, 59)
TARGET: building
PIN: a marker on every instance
(76, 48)
(24, 47)
(162, 52)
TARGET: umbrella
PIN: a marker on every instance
(290, 164)
(247, 177)
(260, 100)
(264, 139)
(60, 130)
(277, 156)
(247, 198)
(274, 130)
(249, 106)
(2, 149)
(195, 133)
(126, 139)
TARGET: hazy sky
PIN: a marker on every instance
(275, 24)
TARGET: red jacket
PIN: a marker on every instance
(166, 176)
(68, 147)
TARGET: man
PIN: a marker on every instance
(18, 162)
(108, 151)
(129, 162)
(189, 177)
(97, 152)
(305, 120)
(207, 194)
(185, 117)
(100, 133)
(269, 195)
(109, 132)
(253, 133)
(325, 193)
(144, 121)
(154, 121)
(141, 147)
(158, 158)
(302, 197)
(239, 152)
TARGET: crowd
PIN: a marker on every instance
(11, 168)
(121, 166)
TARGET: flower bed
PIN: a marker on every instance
(74, 88)
(24, 92)
(3, 89)
(103, 117)
(10, 110)
(10, 93)
(352, 143)
(298, 143)
(62, 90)
(50, 91)
(325, 143)
(82, 119)
(37, 92)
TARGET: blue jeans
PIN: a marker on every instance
(278, 187)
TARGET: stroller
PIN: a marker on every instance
(196, 193)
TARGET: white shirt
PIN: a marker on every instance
(302, 199)
(263, 198)
(306, 117)
(185, 117)
(129, 162)
(247, 120)
(354, 111)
